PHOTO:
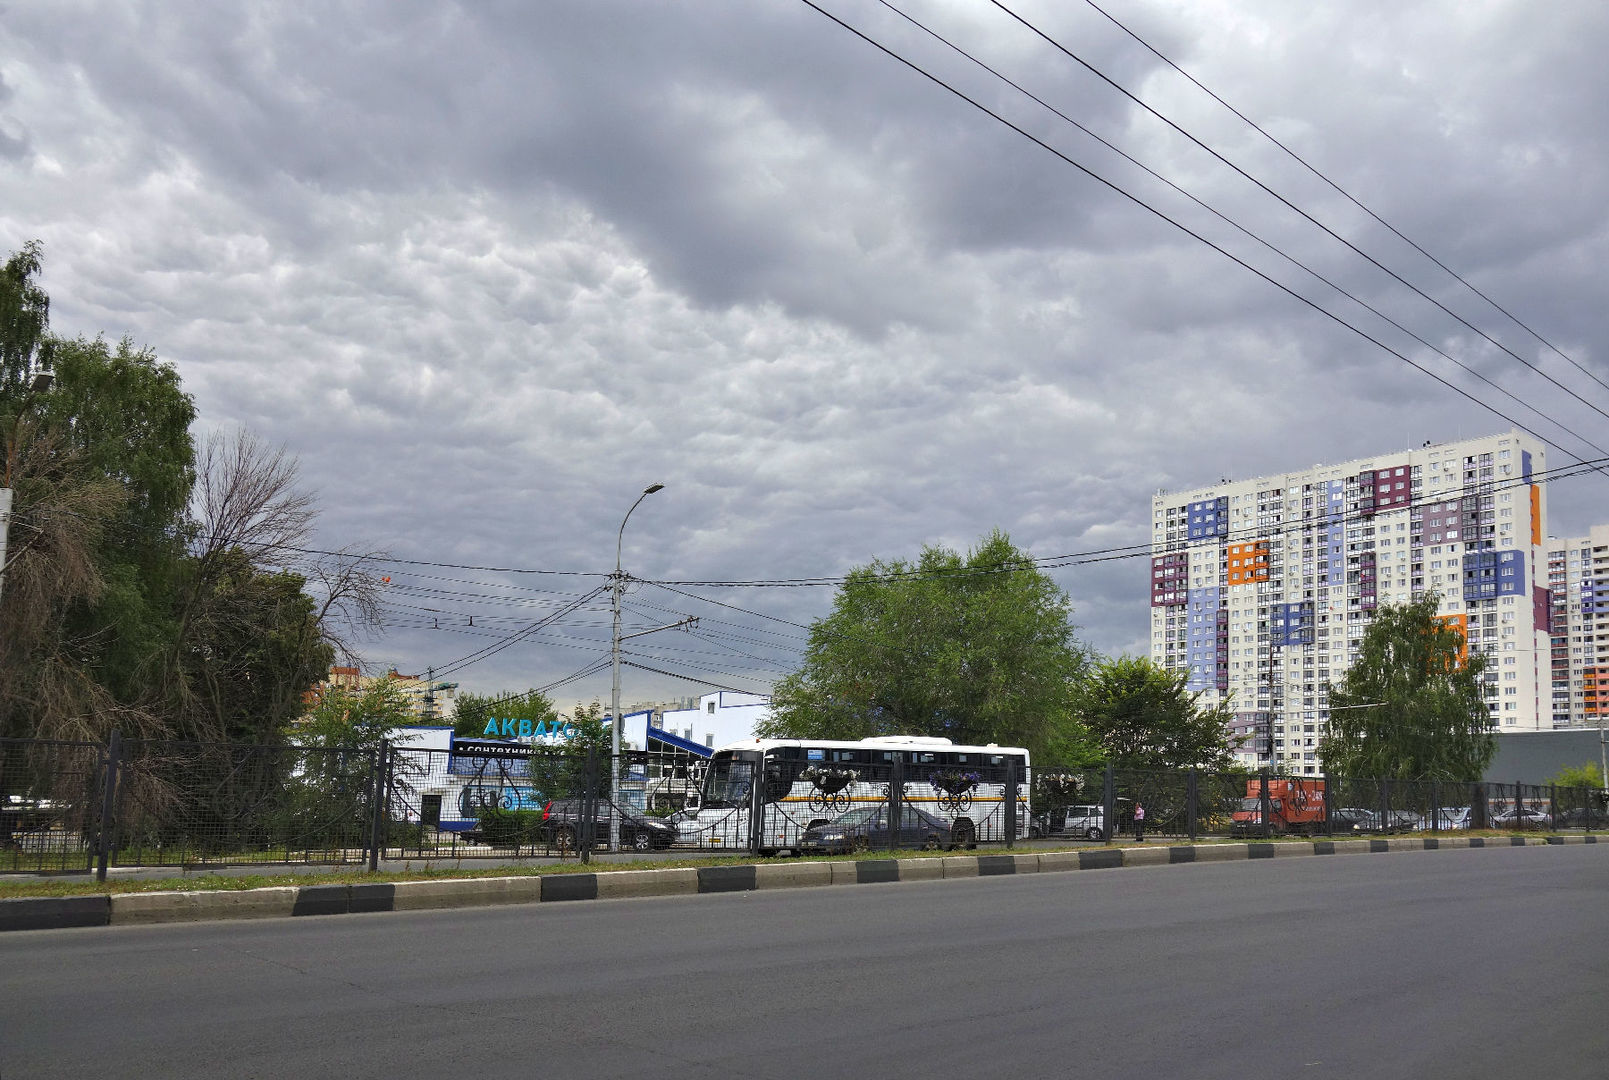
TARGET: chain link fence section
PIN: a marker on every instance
(51, 796)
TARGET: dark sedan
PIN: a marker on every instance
(867, 827)
(561, 823)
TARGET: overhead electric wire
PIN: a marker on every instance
(1345, 194)
(689, 678)
(492, 650)
(1286, 202)
(1246, 231)
(1122, 551)
(1092, 174)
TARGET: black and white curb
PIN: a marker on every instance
(124, 909)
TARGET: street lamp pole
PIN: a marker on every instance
(618, 586)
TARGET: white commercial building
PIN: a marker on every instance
(1261, 588)
(721, 718)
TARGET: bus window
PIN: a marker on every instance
(727, 784)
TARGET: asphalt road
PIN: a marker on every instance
(1486, 963)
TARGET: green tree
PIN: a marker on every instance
(474, 711)
(1141, 716)
(1411, 707)
(144, 589)
(359, 719)
(1586, 775)
(976, 647)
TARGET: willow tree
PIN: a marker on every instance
(1412, 707)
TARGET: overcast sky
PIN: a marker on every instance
(491, 269)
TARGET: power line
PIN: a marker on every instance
(1343, 192)
(1123, 551)
(1244, 230)
(1286, 202)
(1092, 174)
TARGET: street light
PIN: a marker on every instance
(619, 585)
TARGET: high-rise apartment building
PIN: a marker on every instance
(1261, 589)
(1578, 579)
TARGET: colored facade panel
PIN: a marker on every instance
(1536, 511)
(1525, 466)
(1207, 518)
(1461, 624)
(1444, 521)
(1291, 624)
(1170, 576)
(1368, 583)
(1202, 639)
(1392, 487)
(1332, 532)
(1248, 563)
(1222, 676)
(1489, 574)
(1595, 690)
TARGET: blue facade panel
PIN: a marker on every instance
(1202, 642)
(1207, 518)
(1525, 465)
(1332, 532)
(1490, 574)
(1291, 624)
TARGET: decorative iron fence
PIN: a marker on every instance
(77, 807)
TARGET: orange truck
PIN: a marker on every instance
(1294, 806)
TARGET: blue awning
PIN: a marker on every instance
(679, 743)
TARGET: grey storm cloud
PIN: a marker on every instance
(490, 269)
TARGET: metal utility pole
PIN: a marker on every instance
(617, 587)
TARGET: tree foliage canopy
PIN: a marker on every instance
(473, 711)
(1142, 717)
(145, 590)
(1411, 707)
(976, 647)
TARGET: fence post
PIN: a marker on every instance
(1553, 808)
(586, 826)
(1265, 807)
(1011, 802)
(1109, 806)
(106, 836)
(757, 807)
(1435, 806)
(1192, 794)
(1383, 789)
(1329, 805)
(379, 796)
(896, 798)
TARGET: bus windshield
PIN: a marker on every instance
(726, 785)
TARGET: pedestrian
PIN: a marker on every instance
(1139, 823)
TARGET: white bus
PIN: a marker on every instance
(803, 783)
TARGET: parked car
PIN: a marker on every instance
(867, 827)
(1527, 818)
(561, 825)
(1353, 819)
(1085, 821)
(1584, 817)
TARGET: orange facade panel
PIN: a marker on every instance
(1461, 624)
(1248, 563)
(1536, 515)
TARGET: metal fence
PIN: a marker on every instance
(76, 807)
